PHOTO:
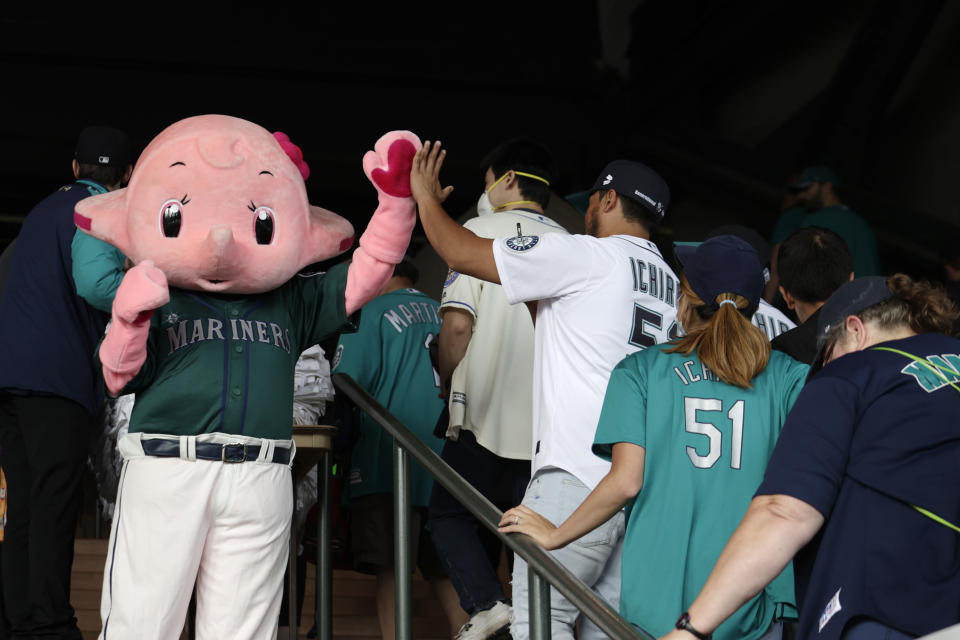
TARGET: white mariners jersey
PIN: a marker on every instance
(491, 392)
(771, 320)
(600, 300)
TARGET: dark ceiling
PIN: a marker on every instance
(725, 98)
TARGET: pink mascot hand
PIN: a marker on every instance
(124, 349)
(385, 240)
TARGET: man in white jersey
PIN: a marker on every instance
(767, 317)
(486, 344)
(601, 297)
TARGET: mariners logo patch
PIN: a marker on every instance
(451, 276)
(522, 243)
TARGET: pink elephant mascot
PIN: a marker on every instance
(206, 330)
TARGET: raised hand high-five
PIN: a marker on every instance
(460, 248)
(425, 174)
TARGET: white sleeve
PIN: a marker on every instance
(460, 292)
(547, 266)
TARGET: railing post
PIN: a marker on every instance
(324, 603)
(552, 572)
(401, 543)
(538, 591)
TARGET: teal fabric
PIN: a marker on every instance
(707, 445)
(389, 357)
(845, 223)
(97, 270)
(225, 363)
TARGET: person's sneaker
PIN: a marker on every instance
(484, 624)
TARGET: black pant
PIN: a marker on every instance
(463, 545)
(44, 441)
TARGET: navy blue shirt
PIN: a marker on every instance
(48, 335)
(870, 435)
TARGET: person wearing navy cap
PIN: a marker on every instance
(50, 395)
(597, 297)
(689, 427)
(861, 490)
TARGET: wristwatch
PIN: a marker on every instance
(683, 623)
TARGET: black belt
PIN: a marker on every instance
(237, 452)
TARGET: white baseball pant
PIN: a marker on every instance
(179, 520)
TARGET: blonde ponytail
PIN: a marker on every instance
(728, 343)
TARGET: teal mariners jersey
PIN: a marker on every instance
(389, 357)
(225, 363)
(707, 445)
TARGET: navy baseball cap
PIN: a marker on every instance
(637, 182)
(751, 237)
(814, 174)
(104, 146)
(849, 300)
(722, 264)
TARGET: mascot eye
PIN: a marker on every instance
(263, 225)
(171, 217)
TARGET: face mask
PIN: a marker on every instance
(484, 207)
(507, 204)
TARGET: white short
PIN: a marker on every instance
(225, 526)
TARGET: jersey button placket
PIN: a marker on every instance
(236, 368)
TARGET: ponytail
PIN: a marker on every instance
(728, 343)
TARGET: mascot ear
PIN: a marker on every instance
(105, 217)
(328, 235)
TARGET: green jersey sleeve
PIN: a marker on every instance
(97, 270)
(317, 304)
(623, 416)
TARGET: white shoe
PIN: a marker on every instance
(485, 624)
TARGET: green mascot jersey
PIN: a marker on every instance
(225, 363)
(707, 445)
(389, 357)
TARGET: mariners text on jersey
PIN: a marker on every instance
(201, 329)
(657, 283)
(405, 314)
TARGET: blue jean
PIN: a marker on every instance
(595, 558)
(469, 552)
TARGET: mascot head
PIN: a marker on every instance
(219, 205)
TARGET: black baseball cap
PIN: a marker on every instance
(637, 182)
(105, 146)
(849, 300)
(722, 264)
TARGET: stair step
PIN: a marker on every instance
(354, 601)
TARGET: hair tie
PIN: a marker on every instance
(731, 302)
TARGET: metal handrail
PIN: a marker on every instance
(541, 563)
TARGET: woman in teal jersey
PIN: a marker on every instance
(689, 428)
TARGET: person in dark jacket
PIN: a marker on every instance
(50, 395)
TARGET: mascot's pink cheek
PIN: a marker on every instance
(346, 243)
